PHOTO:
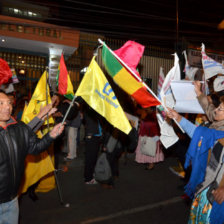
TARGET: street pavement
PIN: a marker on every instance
(139, 196)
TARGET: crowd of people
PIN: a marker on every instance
(202, 157)
(205, 157)
(100, 136)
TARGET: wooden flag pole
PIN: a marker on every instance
(55, 170)
(140, 80)
(47, 73)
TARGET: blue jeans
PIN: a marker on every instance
(9, 212)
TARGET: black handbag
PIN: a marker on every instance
(210, 196)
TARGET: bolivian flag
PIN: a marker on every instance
(65, 86)
(98, 94)
(123, 77)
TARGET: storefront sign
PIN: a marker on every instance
(40, 31)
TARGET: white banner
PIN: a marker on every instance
(210, 66)
(167, 135)
(194, 58)
(186, 98)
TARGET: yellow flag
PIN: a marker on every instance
(97, 92)
(39, 99)
(38, 166)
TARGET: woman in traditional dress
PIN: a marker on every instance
(149, 127)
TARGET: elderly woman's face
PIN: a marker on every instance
(219, 112)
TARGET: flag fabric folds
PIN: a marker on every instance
(167, 134)
(39, 99)
(98, 94)
(210, 66)
(124, 79)
(131, 53)
(204, 85)
(173, 75)
(160, 81)
(65, 86)
(37, 166)
(189, 71)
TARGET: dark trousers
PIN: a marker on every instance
(113, 159)
(92, 147)
(181, 150)
(58, 142)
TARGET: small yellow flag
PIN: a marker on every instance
(97, 92)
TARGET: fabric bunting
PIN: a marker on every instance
(98, 94)
(124, 79)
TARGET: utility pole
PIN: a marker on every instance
(179, 45)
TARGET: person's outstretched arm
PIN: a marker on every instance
(188, 127)
(36, 145)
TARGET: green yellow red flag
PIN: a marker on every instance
(65, 86)
(123, 77)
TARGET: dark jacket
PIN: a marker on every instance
(91, 119)
(91, 122)
(16, 140)
(63, 107)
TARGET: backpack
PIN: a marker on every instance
(103, 172)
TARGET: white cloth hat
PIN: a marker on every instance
(218, 83)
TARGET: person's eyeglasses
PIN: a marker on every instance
(219, 108)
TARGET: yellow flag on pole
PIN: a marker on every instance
(97, 92)
(38, 166)
(39, 99)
